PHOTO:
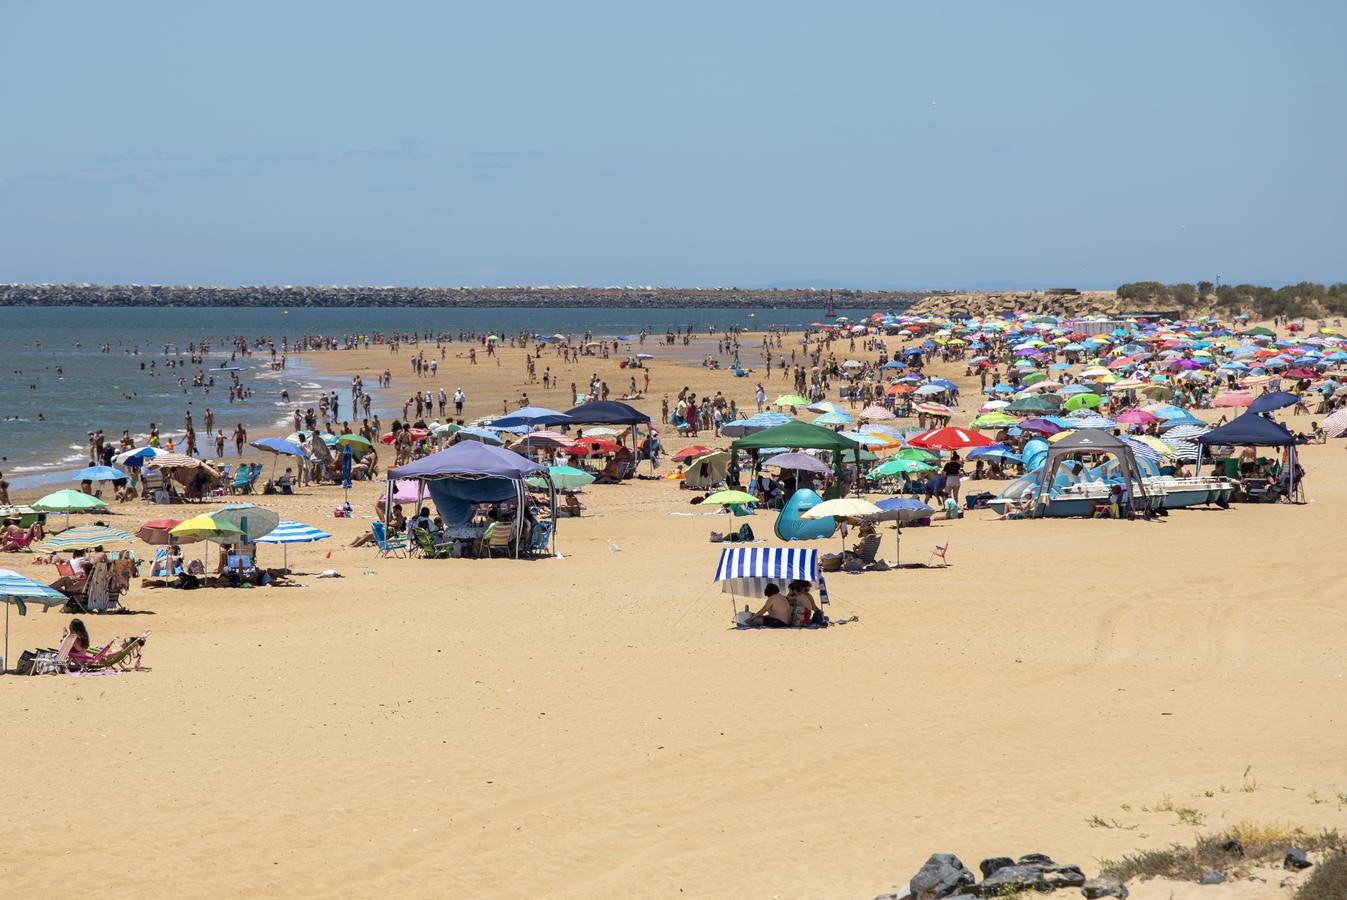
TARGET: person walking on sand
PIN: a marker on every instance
(240, 437)
(458, 401)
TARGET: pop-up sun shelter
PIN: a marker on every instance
(1091, 441)
(746, 571)
(473, 472)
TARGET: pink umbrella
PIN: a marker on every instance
(1135, 417)
(1233, 398)
(404, 491)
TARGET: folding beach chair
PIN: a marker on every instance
(498, 542)
(396, 547)
(539, 539)
(112, 656)
(426, 548)
(939, 553)
(51, 662)
(242, 483)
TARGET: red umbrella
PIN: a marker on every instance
(951, 437)
(416, 434)
(596, 446)
(1299, 372)
(156, 531)
(692, 452)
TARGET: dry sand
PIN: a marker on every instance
(590, 726)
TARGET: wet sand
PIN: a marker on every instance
(591, 726)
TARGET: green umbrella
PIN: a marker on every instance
(1033, 378)
(729, 498)
(354, 440)
(1083, 401)
(899, 466)
(252, 521)
(916, 453)
(564, 478)
(994, 420)
(790, 400)
(68, 501)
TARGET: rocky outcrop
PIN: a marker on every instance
(1054, 303)
(329, 296)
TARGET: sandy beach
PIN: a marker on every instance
(591, 726)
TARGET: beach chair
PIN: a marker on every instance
(243, 482)
(395, 547)
(111, 656)
(939, 553)
(159, 567)
(17, 542)
(498, 542)
(539, 540)
(151, 486)
(51, 662)
(426, 548)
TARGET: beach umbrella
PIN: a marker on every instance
(875, 413)
(1082, 401)
(156, 532)
(564, 478)
(598, 446)
(692, 452)
(67, 501)
(287, 533)
(251, 520)
(1335, 425)
(899, 466)
(83, 537)
(136, 456)
(832, 418)
(18, 591)
(358, 441)
(531, 416)
(934, 409)
(790, 400)
(841, 508)
(900, 511)
(99, 473)
(799, 461)
(994, 420)
(1136, 417)
(950, 438)
(478, 434)
(1232, 398)
(730, 498)
(280, 446)
(406, 490)
(205, 528)
(1273, 401)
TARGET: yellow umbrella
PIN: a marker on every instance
(203, 527)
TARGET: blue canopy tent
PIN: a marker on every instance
(611, 412)
(1253, 430)
(470, 473)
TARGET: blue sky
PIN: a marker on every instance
(898, 144)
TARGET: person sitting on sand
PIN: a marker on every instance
(1020, 508)
(72, 584)
(803, 607)
(776, 611)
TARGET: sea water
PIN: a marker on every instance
(57, 381)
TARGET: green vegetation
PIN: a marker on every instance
(1232, 853)
(1303, 299)
(1328, 881)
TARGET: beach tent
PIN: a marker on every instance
(796, 435)
(706, 471)
(474, 472)
(1253, 430)
(746, 571)
(1091, 441)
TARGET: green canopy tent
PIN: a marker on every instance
(802, 436)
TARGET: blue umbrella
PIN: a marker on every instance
(529, 416)
(478, 434)
(1275, 400)
(280, 445)
(16, 590)
(287, 533)
(99, 473)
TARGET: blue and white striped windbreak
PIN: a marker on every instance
(293, 533)
(748, 570)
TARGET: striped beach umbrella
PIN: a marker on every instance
(83, 537)
(287, 533)
(16, 590)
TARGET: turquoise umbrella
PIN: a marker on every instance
(564, 478)
(16, 590)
